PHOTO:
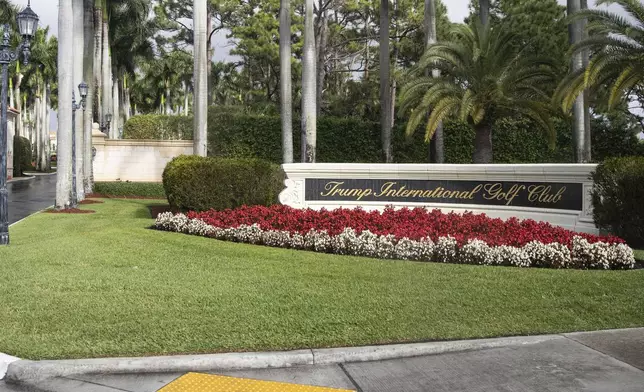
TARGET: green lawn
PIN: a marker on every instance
(105, 285)
(639, 254)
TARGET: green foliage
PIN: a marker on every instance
(21, 156)
(618, 198)
(130, 189)
(616, 45)
(150, 126)
(197, 183)
(483, 78)
(234, 134)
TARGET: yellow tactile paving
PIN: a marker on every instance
(198, 382)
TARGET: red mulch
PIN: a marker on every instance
(88, 201)
(70, 211)
(100, 196)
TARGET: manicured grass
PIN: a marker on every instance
(105, 285)
(639, 254)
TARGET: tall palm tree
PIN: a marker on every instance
(576, 31)
(78, 7)
(98, 59)
(200, 22)
(88, 77)
(484, 11)
(616, 43)
(286, 88)
(437, 147)
(385, 83)
(65, 86)
(483, 79)
(309, 87)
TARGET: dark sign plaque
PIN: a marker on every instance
(502, 193)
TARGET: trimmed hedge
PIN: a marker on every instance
(130, 189)
(618, 198)
(21, 156)
(198, 183)
(236, 134)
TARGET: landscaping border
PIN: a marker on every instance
(580, 254)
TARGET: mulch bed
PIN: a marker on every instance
(100, 196)
(88, 201)
(155, 210)
(70, 211)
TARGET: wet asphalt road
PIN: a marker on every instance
(30, 196)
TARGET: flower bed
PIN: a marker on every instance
(408, 234)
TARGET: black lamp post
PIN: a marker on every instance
(27, 23)
(82, 88)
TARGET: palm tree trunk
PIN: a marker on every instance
(437, 144)
(88, 76)
(579, 121)
(106, 68)
(66, 85)
(367, 45)
(168, 106)
(322, 43)
(79, 47)
(186, 95)
(98, 58)
(44, 132)
(37, 127)
(309, 84)
(116, 122)
(586, 59)
(286, 82)
(200, 23)
(483, 143)
(385, 80)
(19, 124)
(484, 11)
(48, 127)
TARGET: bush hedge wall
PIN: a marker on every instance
(21, 156)
(197, 183)
(618, 198)
(130, 189)
(235, 133)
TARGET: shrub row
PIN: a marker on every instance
(618, 198)
(130, 189)
(579, 253)
(198, 183)
(21, 156)
(234, 133)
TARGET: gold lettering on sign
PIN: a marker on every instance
(543, 194)
(489, 191)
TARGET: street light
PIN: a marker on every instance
(105, 125)
(27, 23)
(82, 88)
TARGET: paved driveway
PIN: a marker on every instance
(30, 196)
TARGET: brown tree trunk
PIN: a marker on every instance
(483, 143)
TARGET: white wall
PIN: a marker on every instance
(135, 160)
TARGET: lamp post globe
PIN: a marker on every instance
(27, 24)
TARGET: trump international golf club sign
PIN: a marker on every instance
(559, 194)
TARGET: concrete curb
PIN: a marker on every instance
(36, 174)
(5, 360)
(24, 371)
(21, 179)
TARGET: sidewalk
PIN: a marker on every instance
(594, 361)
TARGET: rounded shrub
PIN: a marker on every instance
(21, 156)
(618, 198)
(197, 183)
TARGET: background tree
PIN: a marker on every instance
(483, 78)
